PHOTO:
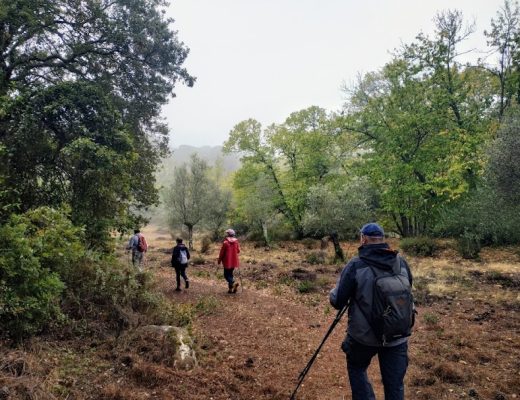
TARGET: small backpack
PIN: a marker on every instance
(393, 310)
(140, 243)
(183, 257)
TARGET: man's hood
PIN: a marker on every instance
(378, 255)
(231, 239)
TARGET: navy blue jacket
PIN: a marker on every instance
(177, 252)
(355, 288)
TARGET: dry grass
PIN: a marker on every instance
(466, 342)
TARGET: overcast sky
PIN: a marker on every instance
(264, 59)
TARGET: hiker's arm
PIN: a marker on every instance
(174, 255)
(408, 271)
(130, 243)
(222, 253)
(340, 295)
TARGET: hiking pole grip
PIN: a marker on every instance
(311, 361)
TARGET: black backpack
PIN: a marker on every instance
(393, 310)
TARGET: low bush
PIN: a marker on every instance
(316, 257)
(198, 260)
(29, 292)
(419, 246)
(469, 245)
(48, 276)
(205, 244)
(306, 286)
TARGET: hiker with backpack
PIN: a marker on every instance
(138, 246)
(228, 256)
(376, 288)
(180, 257)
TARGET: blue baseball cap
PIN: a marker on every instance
(372, 229)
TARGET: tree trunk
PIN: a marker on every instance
(337, 248)
(264, 233)
(190, 237)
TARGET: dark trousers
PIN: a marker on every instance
(228, 275)
(393, 362)
(180, 270)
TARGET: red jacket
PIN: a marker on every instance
(229, 253)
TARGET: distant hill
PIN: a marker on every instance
(210, 154)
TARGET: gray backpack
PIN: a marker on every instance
(393, 309)
(183, 257)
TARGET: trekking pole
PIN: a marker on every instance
(311, 361)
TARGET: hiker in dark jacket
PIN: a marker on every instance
(228, 256)
(180, 257)
(139, 247)
(355, 288)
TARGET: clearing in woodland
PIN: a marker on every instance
(253, 345)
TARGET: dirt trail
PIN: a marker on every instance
(255, 344)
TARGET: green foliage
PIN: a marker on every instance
(431, 319)
(206, 244)
(281, 162)
(483, 217)
(207, 305)
(469, 245)
(190, 196)
(81, 90)
(504, 154)
(316, 257)
(419, 246)
(423, 125)
(341, 209)
(503, 38)
(306, 286)
(198, 260)
(30, 292)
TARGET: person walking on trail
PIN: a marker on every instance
(228, 256)
(138, 246)
(376, 273)
(180, 257)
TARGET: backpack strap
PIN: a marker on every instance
(397, 265)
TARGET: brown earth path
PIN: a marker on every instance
(255, 344)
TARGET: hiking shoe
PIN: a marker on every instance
(177, 289)
(187, 284)
(235, 287)
(230, 290)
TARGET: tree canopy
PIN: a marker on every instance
(81, 88)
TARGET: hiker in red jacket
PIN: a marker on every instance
(229, 258)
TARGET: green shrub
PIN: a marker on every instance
(198, 260)
(207, 305)
(316, 257)
(206, 244)
(419, 246)
(29, 291)
(431, 319)
(469, 245)
(306, 286)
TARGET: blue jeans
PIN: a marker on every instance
(228, 275)
(393, 362)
